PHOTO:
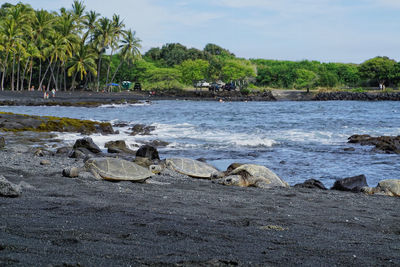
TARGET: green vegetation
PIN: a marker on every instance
(75, 48)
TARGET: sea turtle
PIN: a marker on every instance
(115, 169)
(186, 166)
(253, 175)
(390, 187)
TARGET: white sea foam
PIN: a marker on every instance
(125, 105)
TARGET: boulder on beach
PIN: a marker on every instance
(8, 189)
(311, 183)
(389, 187)
(118, 146)
(147, 151)
(87, 143)
(353, 184)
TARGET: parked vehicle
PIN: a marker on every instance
(229, 87)
(201, 84)
(214, 87)
(137, 87)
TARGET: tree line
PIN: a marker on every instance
(61, 49)
(78, 48)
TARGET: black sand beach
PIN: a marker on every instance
(60, 221)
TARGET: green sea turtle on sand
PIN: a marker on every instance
(390, 187)
(112, 169)
(186, 166)
(247, 175)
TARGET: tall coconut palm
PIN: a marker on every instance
(129, 49)
(83, 61)
(117, 31)
(90, 24)
(103, 35)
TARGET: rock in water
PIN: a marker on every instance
(311, 183)
(386, 144)
(87, 143)
(147, 151)
(389, 187)
(8, 189)
(353, 184)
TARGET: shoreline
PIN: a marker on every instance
(83, 221)
(94, 99)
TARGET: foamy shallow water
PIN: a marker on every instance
(297, 140)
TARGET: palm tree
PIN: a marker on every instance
(129, 49)
(117, 31)
(83, 61)
(43, 28)
(103, 35)
(90, 25)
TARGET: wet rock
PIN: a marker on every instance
(311, 183)
(353, 184)
(157, 143)
(387, 144)
(349, 149)
(87, 143)
(118, 146)
(141, 129)
(8, 189)
(363, 96)
(147, 151)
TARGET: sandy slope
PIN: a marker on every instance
(97, 223)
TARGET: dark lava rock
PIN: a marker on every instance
(353, 184)
(147, 151)
(63, 150)
(362, 96)
(88, 144)
(311, 183)
(8, 189)
(157, 143)
(387, 144)
(141, 129)
(118, 146)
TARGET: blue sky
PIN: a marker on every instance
(324, 30)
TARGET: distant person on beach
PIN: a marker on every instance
(32, 88)
(53, 91)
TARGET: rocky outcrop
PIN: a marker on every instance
(364, 96)
(18, 122)
(386, 144)
(353, 184)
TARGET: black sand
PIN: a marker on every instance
(59, 221)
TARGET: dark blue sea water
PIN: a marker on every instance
(297, 140)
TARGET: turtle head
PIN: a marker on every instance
(231, 180)
(156, 168)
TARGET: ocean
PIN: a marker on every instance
(297, 140)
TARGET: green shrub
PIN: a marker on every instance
(358, 90)
(245, 91)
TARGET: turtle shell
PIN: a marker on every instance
(261, 172)
(117, 169)
(191, 167)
